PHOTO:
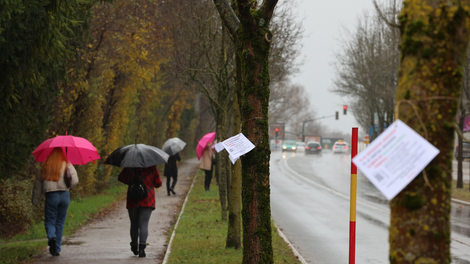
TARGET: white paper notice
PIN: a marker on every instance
(237, 146)
(219, 147)
(395, 158)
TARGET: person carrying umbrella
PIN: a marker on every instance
(139, 162)
(206, 165)
(140, 210)
(56, 178)
(171, 172)
(172, 147)
(204, 152)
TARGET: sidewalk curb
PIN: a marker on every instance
(168, 250)
(296, 253)
(460, 202)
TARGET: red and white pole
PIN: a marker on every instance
(352, 209)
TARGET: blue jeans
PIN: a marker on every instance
(55, 213)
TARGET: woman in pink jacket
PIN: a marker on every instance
(206, 165)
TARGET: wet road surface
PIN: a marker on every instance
(310, 204)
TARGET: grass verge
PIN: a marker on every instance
(200, 236)
(25, 247)
(461, 193)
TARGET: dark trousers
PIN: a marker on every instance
(139, 217)
(207, 180)
(168, 178)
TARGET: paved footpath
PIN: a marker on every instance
(107, 240)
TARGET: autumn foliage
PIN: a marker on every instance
(109, 89)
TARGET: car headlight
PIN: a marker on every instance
(284, 147)
(293, 147)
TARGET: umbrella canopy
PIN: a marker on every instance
(173, 146)
(137, 156)
(206, 139)
(79, 151)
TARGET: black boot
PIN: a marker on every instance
(142, 250)
(134, 248)
(53, 247)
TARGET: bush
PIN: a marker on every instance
(16, 210)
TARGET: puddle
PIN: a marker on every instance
(375, 199)
(456, 260)
(465, 231)
(71, 243)
(373, 220)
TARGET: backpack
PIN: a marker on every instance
(137, 190)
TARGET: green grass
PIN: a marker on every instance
(200, 236)
(21, 252)
(461, 193)
(25, 246)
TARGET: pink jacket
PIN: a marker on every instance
(206, 159)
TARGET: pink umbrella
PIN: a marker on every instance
(79, 151)
(206, 139)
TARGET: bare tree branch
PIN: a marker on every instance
(383, 17)
(267, 8)
(228, 17)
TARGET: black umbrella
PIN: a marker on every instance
(173, 146)
(137, 156)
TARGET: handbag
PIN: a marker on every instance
(67, 178)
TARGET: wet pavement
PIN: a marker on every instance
(310, 204)
(465, 170)
(107, 240)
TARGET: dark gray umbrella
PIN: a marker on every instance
(137, 156)
(173, 146)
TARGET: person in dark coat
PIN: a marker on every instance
(171, 171)
(140, 211)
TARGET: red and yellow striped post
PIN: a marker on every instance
(352, 208)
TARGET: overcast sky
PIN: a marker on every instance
(322, 22)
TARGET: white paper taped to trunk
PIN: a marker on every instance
(236, 146)
(219, 147)
(395, 158)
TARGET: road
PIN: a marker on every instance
(310, 204)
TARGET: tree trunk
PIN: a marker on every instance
(460, 154)
(252, 36)
(434, 39)
(253, 49)
(235, 198)
(373, 135)
(222, 127)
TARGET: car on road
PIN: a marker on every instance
(340, 147)
(289, 145)
(313, 148)
(300, 146)
(465, 151)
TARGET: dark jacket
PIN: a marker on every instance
(171, 170)
(151, 179)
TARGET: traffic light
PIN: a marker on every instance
(345, 109)
(337, 115)
(277, 132)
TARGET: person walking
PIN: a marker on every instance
(140, 210)
(206, 165)
(56, 178)
(171, 172)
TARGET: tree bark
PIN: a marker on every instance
(253, 43)
(234, 204)
(434, 39)
(222, 127)
(253, 49)
(460, 153)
